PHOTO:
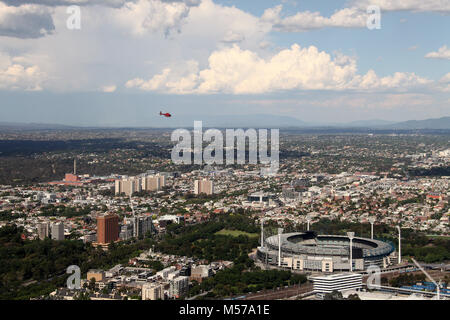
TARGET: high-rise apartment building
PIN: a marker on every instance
(128, 186)
(139, 226)
(58, 231)
(203, 186)
(137, 184)
(43, 230)
(126, 231)
(179, 286)
(107, 229)
(152, 291)
(153, 182)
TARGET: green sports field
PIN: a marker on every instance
(236, 233)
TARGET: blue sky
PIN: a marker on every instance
(312, 60)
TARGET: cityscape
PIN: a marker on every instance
(224, 158)
(154, 233)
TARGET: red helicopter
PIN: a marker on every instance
(167, 115)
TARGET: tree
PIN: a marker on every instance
(92, 284)
(335, 295)
(82, 296)
(353, 296)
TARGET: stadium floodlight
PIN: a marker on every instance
(399, 245)
(308, 220)
(132, 207)
(351, 235)
(372, 221)
(262, 232)
(280, 231)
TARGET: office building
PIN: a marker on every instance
(107, 229)
(339, 282)
(259, 197)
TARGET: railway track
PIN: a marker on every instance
(282, 293)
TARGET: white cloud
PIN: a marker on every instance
(354, 16)
(103, 52)
(54, 3)
(190, 3)
(236, 71)
(444, 83)
(215, 23)
(104, 3)
(445, 78)
(306, 20)
(442, 53)
(399, 80)
(15, 75)
(233, 37)
(442, 6)
(180, 79)
(108, 89)
(152, 16)
(28, 21)
(33, 18)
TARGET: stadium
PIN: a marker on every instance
(307, 251)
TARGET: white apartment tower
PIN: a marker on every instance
(152, 291)
(153, 182)
(58, 231)
(128, 186)
(137, 184)
(203, 186)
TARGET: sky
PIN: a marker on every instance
(317, 61)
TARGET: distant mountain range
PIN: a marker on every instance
(259, 121)
(439, 123)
